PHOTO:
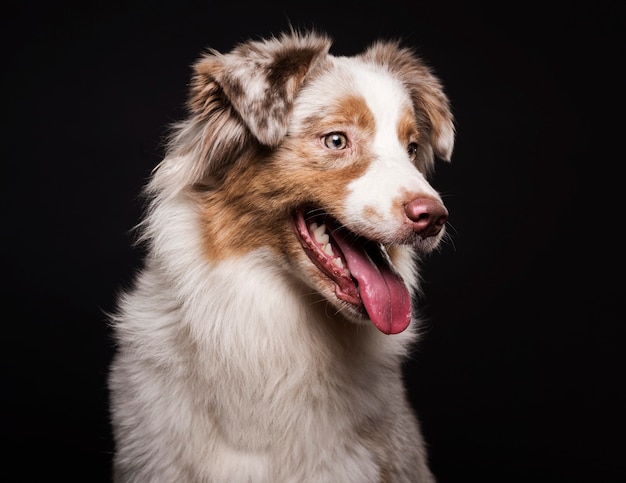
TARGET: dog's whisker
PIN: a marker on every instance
(447, 239)
(445, 194)
(451, 227)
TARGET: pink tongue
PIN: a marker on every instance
(382, 291)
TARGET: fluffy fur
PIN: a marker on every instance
(244, 352)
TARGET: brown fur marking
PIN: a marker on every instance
(259, 195)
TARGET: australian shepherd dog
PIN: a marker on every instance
(263, 338)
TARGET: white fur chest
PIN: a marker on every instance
(264, 384)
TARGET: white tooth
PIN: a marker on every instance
(328, 249)
(312, 227)
(338, 262)
(320, 234)
(347, 272)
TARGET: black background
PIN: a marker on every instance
(519, 375)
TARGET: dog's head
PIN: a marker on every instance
(322, 159)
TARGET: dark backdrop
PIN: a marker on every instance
(518, 377)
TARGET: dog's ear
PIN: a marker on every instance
(258, 80)
(432, 106)
(235, 98)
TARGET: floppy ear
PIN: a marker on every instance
(235, 98)
(258, 80)
(432, 107)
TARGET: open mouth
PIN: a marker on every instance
(359, 268)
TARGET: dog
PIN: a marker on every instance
(263, 338)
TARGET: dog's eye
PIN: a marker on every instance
(336, 140)
(412, 150)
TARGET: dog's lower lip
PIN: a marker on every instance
(345, 285)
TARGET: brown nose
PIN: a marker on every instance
(428, 216)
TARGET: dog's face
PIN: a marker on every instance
(323, 160)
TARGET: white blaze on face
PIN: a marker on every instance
(391, 173)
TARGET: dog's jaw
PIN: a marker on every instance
(360, 269)
(316, 243)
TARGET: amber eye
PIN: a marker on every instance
(336, 140)
(412, 150)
